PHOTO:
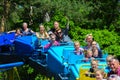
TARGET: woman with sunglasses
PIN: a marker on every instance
(61, 34)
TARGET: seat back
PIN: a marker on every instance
(1, 40)
(9, 38)
(84, 68)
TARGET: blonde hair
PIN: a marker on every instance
(88, 36)
(110, 57)
(95, 61)
(58, 29)
(17, 29)
(41, 26)
(58, 24)
(88, 51)
(101, 71)
(94, 41)
(45, 33)
(77, 42)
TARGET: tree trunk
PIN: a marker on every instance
(2, 27)
(6, 14)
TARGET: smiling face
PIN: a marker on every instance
(94, 64)
(95, 52)
(94, 43)
(41, 28)
(108, 59)
(99, 75)
(89, 53)
(89, 39)
(114, 64)
(25, 26)
(56, 25)
(18, 31)
(59, 33)
(77, 45)
(53, 37)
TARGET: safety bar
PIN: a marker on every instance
(10, 65)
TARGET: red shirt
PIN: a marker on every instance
(117, 72)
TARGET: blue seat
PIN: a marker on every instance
(1, 40)
(105, 55)
(69, 56)
(9, 38)
(25, 45)
(66, 53)
(73, 58)
(44, 42)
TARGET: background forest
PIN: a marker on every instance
(99, 17)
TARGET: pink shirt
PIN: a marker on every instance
(117, 72)
(50, 44)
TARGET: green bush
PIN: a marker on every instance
(113, 49)
(107, 40)
(42, 77)
(26, 72)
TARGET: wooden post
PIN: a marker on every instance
(10, 74)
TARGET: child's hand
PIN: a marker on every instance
(87, 73)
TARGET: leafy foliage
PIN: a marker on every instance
(114, 50)
(85, 16)
(107, 40)
(42, 77)
(28, 73)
